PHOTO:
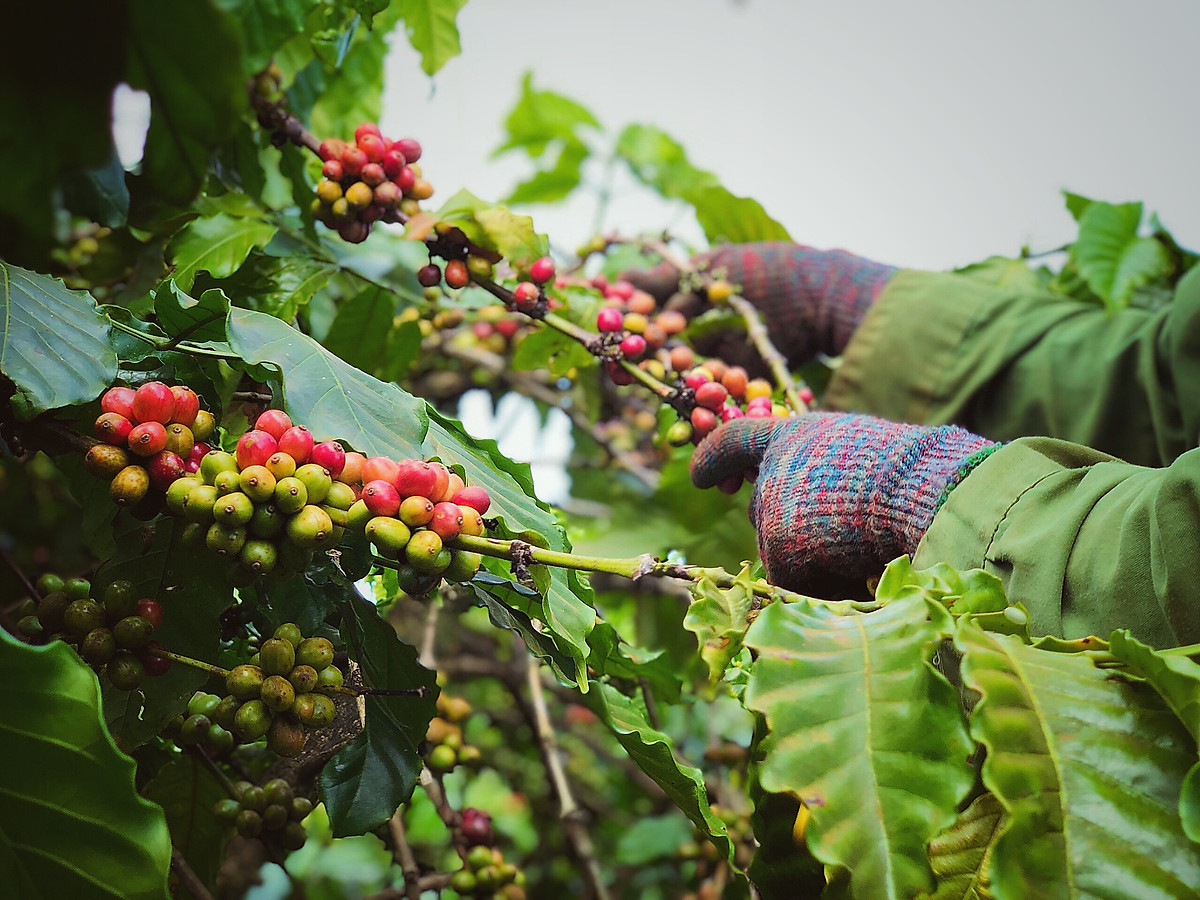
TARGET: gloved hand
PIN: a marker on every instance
(838, 495)
(811, 300)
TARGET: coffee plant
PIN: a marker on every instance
(275, 624)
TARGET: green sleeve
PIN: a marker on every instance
(1006, 363)
(1087, 542)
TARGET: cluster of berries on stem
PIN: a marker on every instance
(373, 178)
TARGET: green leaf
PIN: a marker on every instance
(1088, 768)
(217, 244)
(1176, 678)
(971, 591)
(495, 228)
(432, 30)
(187, 56)
(366, 781)
(182, 316)
(660, 162)
(556, 181)
(960, 855)
(512, 236)
(1189, 803)
(514, 606)
(187, 792)
(282, 285)
(718, 619)
(1111, 257)
(552, 350)
(99, 193)
(335, 400)
(359, 334)
(266, 25)
(71, 821)
(726, 217)
(539, 117)
(653, 838)
(352, 93)
(193, 593)
(652, 751)
(1077, 204)
(617, 658)
(864, 731)
(54, 343)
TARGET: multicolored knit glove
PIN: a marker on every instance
(838, 495)
(811, 300)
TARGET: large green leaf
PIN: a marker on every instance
(717, 616)
(359, 333)
(187, 55)
(496, 228)
(555, 181)
(652, 751)
(187, 792)
(660, 162)
(350, 94)
(54, 343)
(961, 854)
(1088, 768)
(184, 317)
(864, 731)
(218, 244)
(1176, 678)
(71, 821)
(726, 217)
(193, 593)
(1111, 256)
(266, 25)
(335, 400)
(432, 30)
(366, 781)
(514, 606)
(540, 117)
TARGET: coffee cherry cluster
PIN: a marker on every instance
(723, 393)
(283, 693)
(112, 635)
(445, 747)
(409, 509)
(370, 179)
(269, 502)
(149, 437)
(195, 727)
(486, 874)
(631, 317)
(270, 812)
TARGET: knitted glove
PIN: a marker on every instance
(838, 495)
(811, 300)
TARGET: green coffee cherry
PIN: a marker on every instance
(244, 682)
(316, 652)
(289, 632)
(83, 616)
(252, 721)
(278, 693)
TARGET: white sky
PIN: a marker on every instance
(926, 134)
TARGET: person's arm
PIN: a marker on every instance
(1087, 542)
(1006, 363)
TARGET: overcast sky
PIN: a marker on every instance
(920, 133)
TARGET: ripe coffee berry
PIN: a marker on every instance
(457, 274)
(525, 295)
(610, 319)
(542, 270)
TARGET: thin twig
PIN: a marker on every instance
(569, 810)
(20, 573)
(189, 879)
(404, 856)
(429, 637)
(250, 397)
(496, 366)
(770, 354)
(432, 785)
